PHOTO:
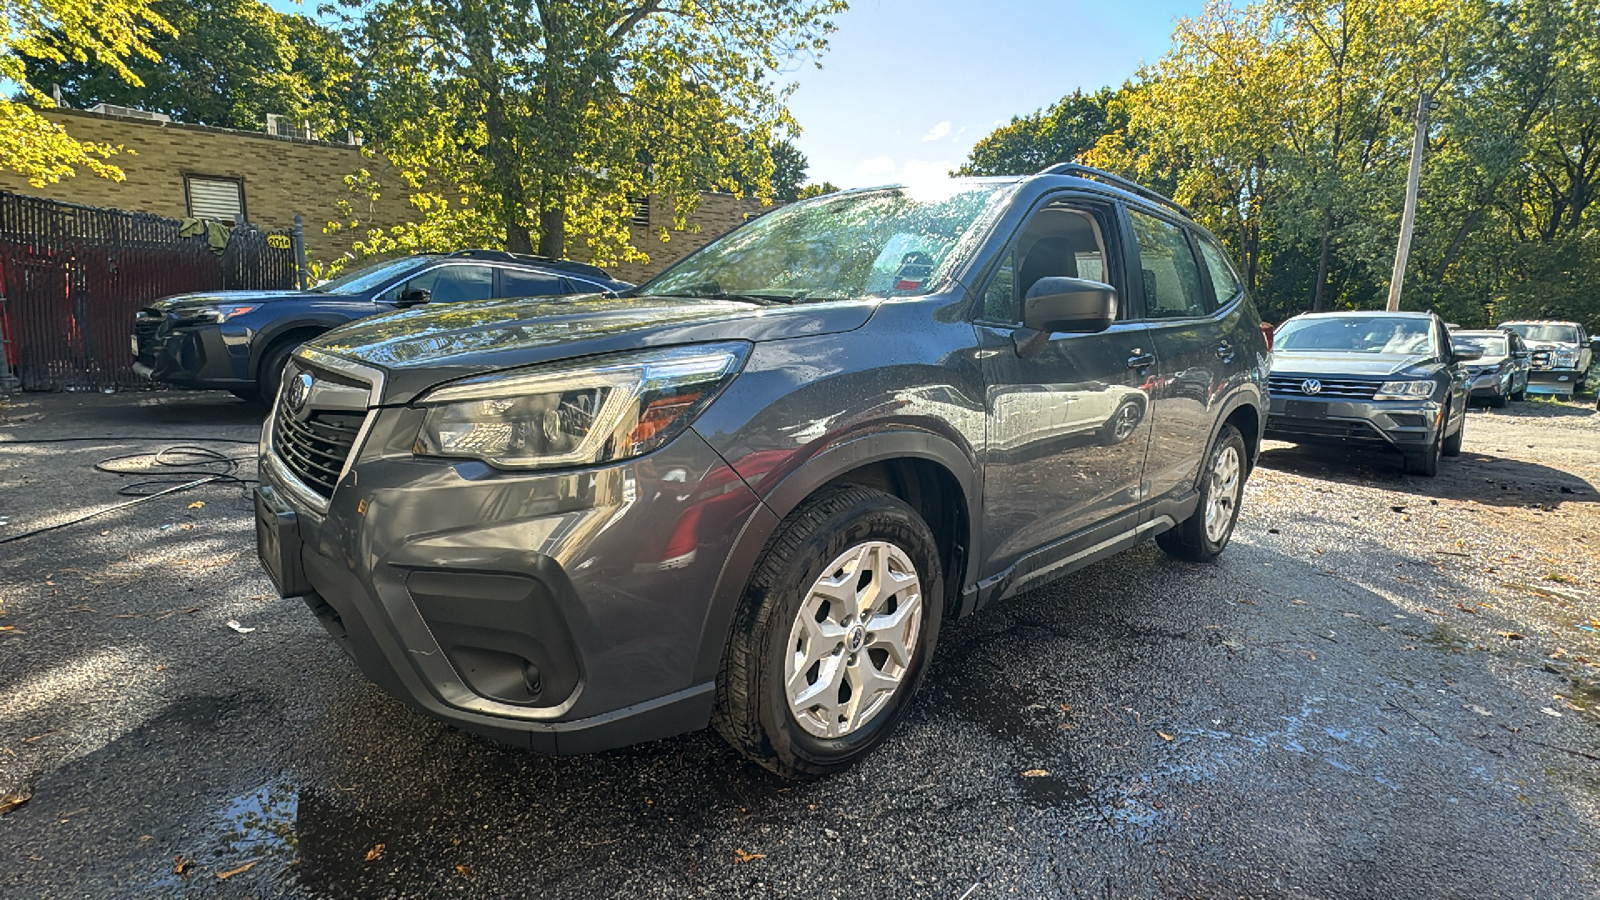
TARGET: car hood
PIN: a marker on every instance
(213, 298)
(419, 348)
(1375, 365)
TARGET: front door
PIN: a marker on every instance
(1068, 414)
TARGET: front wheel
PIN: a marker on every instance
(1452, 444)
(1206, 532)
(833, 634)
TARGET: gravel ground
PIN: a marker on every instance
(1383, 688)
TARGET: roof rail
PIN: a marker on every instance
(564, 265)
(1131, 187)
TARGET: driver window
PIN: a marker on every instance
(1058, 242)
(451, 284)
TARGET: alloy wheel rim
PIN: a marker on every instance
(1223, 497)
(1127, 421)
(853, 641)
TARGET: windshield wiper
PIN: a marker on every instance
(763, 299)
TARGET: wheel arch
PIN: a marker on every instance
(926, 471)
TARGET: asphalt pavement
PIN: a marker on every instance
(1383, 689)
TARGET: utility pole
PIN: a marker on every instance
(1408, 219)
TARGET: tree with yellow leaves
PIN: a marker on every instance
(110, 31)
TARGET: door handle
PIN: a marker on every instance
(1225, 351)
(1141, 359)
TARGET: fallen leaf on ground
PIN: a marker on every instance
(1549, 712)
(1509, 635)
(743, 857)
(375, 853)
(465, 872)
(181, 866)
(1035, 773)
(234, 624)
(224, 876)
(1164, 735)
(201, 504)
(10, 801)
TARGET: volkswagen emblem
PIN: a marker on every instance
(296, 392)
(1309, 386)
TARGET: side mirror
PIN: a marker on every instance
(1069, 304)
(1468, 354)
(1519, 354)
(1594, 344)
(413, 296)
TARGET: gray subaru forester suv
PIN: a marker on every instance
(749, 492)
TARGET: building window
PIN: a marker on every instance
(220, 199)
(641, 211)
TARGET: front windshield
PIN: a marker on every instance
(1357, 334)
(372, 277)
(896, 242)
(1493, 346)
(1554, 334)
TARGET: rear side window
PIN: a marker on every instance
(1223, 282)
(523, 283)
(1171, 276)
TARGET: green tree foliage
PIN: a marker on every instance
(1286, 126)
(115, 32)
(227, 63)
(517, 123)
(1045, 137)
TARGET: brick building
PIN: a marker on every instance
(179, 170)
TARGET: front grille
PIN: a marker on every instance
(315, 448)
(1336, 388)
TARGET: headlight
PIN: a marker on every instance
(215, 314)
(606, 410)
(1404, 390)
(1566, 357)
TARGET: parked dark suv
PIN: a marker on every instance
(239, 340)
(749, 492)
(1391, 380)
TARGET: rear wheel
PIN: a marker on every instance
(1499, 401)
(833, 635)
(1206, 532)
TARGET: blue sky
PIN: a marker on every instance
(909, 86)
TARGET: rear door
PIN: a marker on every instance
(1067, 414)
(1181, 278)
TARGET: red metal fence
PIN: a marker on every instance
(73, 276)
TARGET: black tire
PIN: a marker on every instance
(1499, 401)
(1188, 539)
(752, 708)
(1452, 444)
(1521, 395)
(249, 395)
(1426, 462)
(270, 376)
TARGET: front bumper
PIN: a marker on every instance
(1401, 424)
(193, 356)
(1491, 384)
(562, 611)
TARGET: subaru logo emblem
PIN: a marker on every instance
(1311, 386)
(296, 392)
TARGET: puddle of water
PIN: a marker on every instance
(262, 823)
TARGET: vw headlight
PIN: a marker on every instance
(1404, 390)
(605, 410)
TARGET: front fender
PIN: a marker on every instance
(781, 497)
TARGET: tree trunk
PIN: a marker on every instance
(518, 238)
(553, 232)
(1318, 298)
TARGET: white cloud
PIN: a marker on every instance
(938, 131)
